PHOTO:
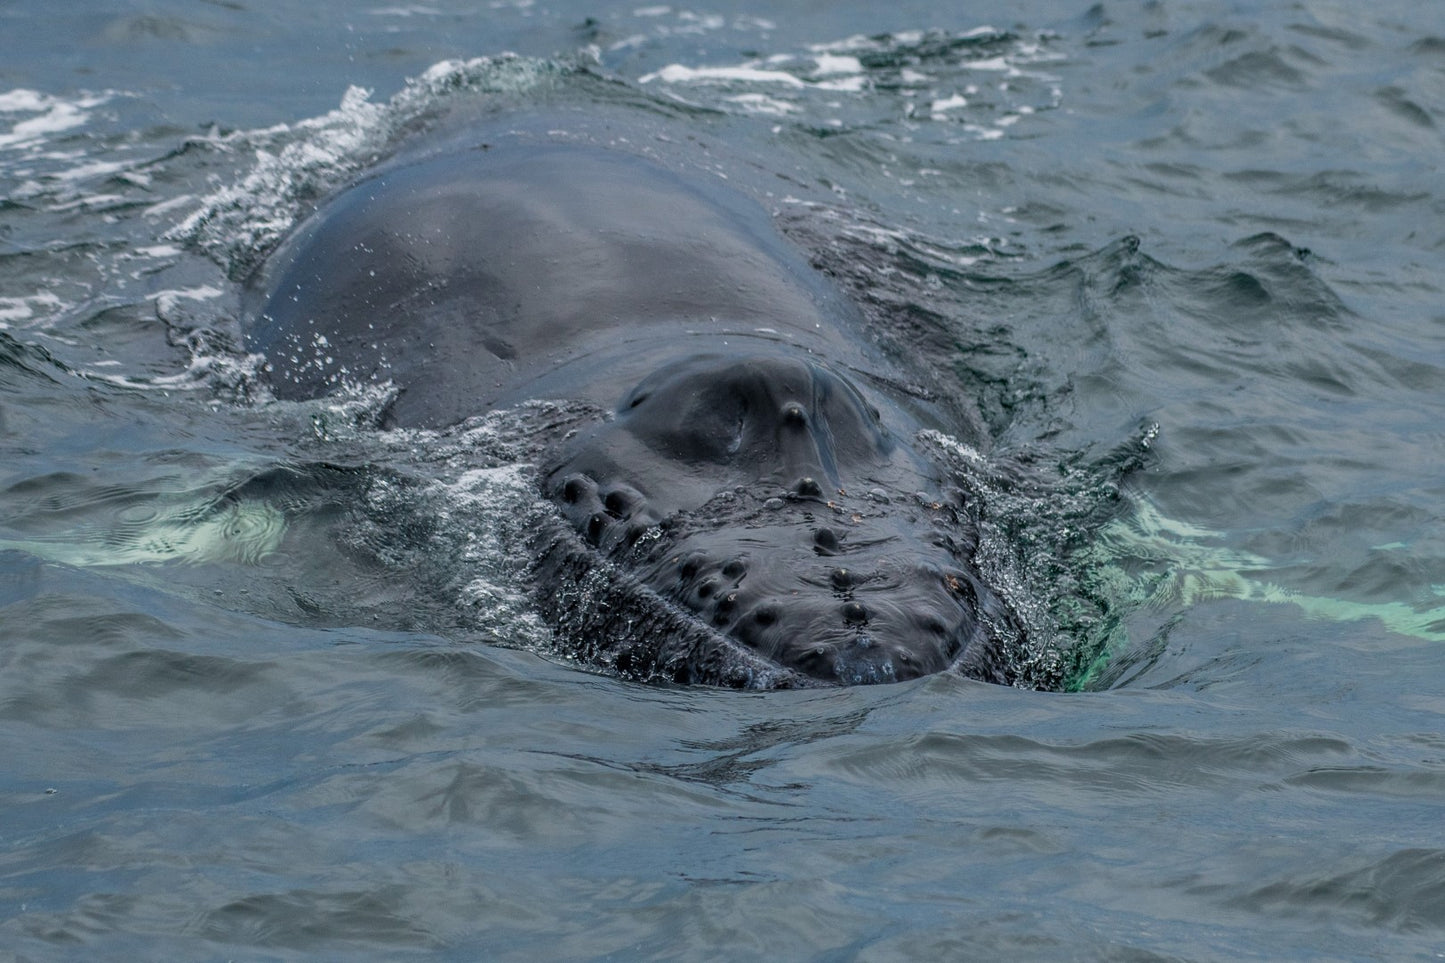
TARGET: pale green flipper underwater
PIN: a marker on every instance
(1148, 561)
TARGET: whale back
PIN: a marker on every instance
(486, 276)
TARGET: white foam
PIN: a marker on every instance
(24, 308)
(295, 162)
(698, 23)
(22, 99)
(948, 103)
(411, 10)
(849, 85)
(763, 104)
(166, 207)
(92, 169)
(836, 67)
(627, 43)
(757, 23)
(90, 201)
(835, 64)
(993, 63)
(166, 301)
(678, 74)
(54, 115)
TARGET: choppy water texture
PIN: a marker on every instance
(273, 684)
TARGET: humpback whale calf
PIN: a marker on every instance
(756, 511)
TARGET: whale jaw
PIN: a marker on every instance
(751, 497)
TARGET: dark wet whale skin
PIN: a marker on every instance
(755, 513)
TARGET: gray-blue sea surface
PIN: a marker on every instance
(276, 684)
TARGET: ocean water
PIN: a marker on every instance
(273, 683)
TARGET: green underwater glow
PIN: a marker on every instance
(1149, 561)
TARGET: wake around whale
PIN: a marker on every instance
(755, 512)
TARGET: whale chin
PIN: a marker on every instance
(828, 592)
(752, 497)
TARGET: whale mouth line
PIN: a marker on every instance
(804, 586)
(638, 632)
(667, 641)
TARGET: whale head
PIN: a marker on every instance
(778, 512)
